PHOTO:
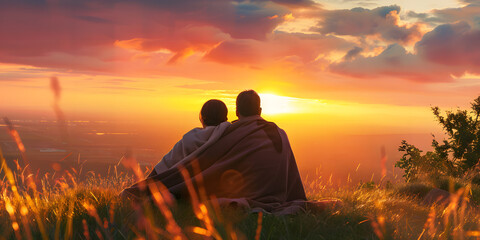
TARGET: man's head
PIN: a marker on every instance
(213, 113)
(248, 104)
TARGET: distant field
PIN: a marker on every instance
(101, 144)
(95, 147)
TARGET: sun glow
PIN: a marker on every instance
(273, 104)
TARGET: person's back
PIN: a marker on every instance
(272, 176)
(213, 117)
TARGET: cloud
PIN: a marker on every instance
(297, 3)
(363, 3)
(452, 45)
(140, 37)
(396, 62)
(469, 13)
(122, 89)
(242, 51)
(446, 51)
(470, 1)
(383, 21)
(352, 53)
(182, 42)
(12, 77)
(304, 48)
(424, 17)
(90, 28)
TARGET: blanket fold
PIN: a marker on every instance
(192, 143)
(252, 160)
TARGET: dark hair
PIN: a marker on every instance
(214, 112)
(248, 103)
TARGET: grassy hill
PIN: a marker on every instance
(63, 208)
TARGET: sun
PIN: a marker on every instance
(274, 104)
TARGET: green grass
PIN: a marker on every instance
(92, 209)
(66, 208)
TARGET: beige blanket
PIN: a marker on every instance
(252, 162)
(192, 143)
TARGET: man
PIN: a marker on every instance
(272, 181)
(252, 164)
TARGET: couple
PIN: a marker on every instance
(248, 162)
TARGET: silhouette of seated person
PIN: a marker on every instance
(213, 117)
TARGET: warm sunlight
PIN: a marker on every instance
(275, 104)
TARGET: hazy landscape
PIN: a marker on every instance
(101, 144)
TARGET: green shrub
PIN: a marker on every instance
(447, 183)
(454, 156)
(418, 190)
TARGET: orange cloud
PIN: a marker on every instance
(455, 45)
(181, 42)
(396, 62)
(90, 31)
(361, 22)
(280, 46)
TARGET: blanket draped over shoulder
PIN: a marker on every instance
(251, 164)
(192, 143)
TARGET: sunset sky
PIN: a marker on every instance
(323, 68)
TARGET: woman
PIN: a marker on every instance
(213, 117)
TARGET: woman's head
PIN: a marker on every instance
(213, 113)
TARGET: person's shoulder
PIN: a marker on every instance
(224, 124)
(206, 131)
(194, 131)
(272, 124)
(280, 130)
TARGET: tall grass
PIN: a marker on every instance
(62, 206)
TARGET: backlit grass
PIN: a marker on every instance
(65, 208)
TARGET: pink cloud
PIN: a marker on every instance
(123, 36)
(448, 50)
(452, 45)
(31, 28)
(469, 13)
(382, 21)
(278, 46)
(182, 41)
(396, 62)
